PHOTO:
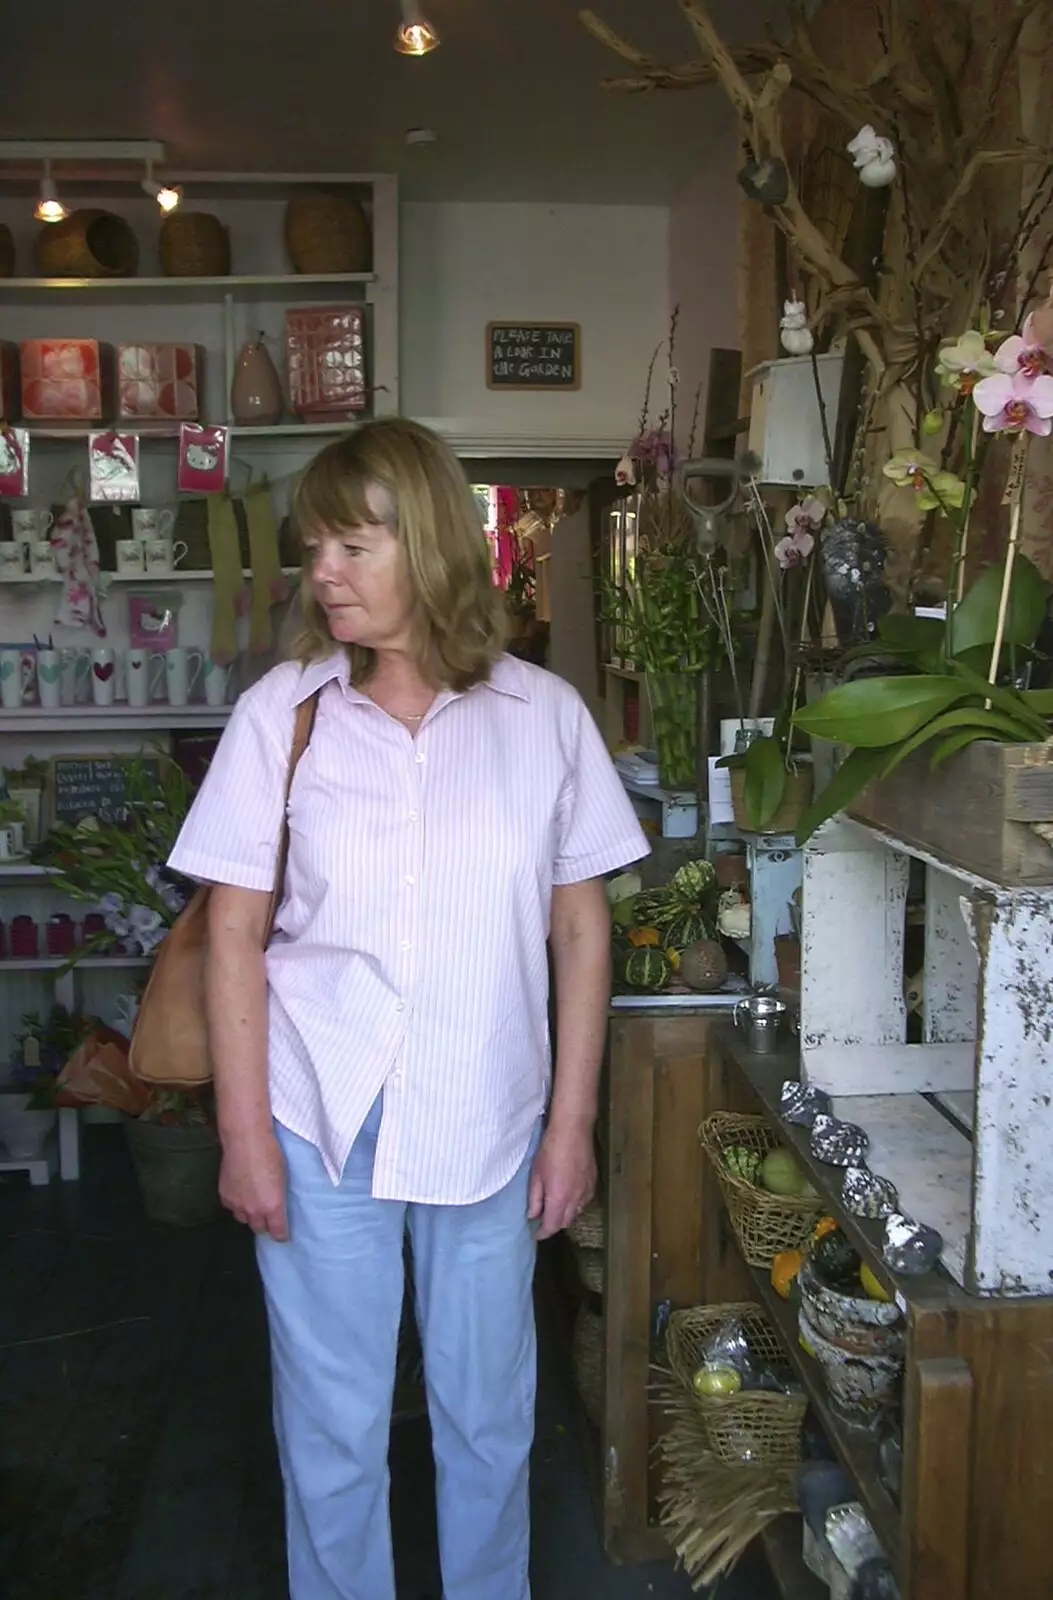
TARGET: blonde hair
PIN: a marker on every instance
(458, 612)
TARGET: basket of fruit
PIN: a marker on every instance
(730, 1360)
(770, 1201)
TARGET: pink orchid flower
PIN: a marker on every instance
(806, 517)
(1016, 404)
(794, 549)
(625, 471)
(1022, 353)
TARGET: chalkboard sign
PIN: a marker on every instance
(91, 786)
(533, 355)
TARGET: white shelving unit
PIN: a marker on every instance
(219, 315)
(962, 1123)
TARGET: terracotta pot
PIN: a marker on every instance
(256, 392)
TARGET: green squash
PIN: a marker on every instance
(836, 1260)
(647, 968)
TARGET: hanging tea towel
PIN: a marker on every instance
(229, 590)
(269, 587)
(77, 558)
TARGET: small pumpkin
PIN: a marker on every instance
(825, 1225)
(643, 938)
(646, 968)
(784, 1269)
(836, 1260)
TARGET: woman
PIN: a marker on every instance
(386, 1066)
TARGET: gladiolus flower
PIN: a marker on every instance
(1016, 404)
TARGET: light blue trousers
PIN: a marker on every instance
(334, 1297)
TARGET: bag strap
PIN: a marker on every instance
(302, 730)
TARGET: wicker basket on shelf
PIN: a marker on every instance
(326, 233)
(87, 244)
(587, 1357)
(755, 1426)
(194, 244)
(586, 1234)
(764, 1223)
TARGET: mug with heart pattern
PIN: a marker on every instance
(49, 679)
(142, 682)
(16, 676)
(103, 670)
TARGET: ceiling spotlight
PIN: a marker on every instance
(165, 194)
(416, 35)
(49, 207)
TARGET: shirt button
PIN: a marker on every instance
(405, 944)
(410, 880)
(399, 1005)
(412, 817)
(420, 758)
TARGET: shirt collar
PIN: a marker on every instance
(507, 676)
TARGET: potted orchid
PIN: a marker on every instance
(959, 683)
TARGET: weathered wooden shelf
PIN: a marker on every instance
(782, 1545)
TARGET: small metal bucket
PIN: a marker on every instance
(761, 1018)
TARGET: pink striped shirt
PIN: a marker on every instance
(409, 956)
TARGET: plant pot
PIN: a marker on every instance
(256, 391)
(22, 1131)
(674, 698)
(178, 1171)
(973, 812)
(795, 802)
(862, 1387)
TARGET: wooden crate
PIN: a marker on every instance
(974, 812)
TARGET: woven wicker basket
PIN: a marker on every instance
(87, 244)
(7, 251)
(587, 1229)
(194, 244)
(327, 233)
(764, 1223)
(588, 1362)
(755, 1426)
(590, 1268)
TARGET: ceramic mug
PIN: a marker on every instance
(141, 679)
(216, 680)
(49, 679)
(130, 559)
(103, 673)
(163, 555)
(16, 674)
(178, 674)
(75, 680)
(42, 563)
(149, 522)
(12, 561)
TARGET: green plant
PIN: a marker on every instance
(119, 866)
(940, 694)
(32, 774)
(11, 811)
(521, 588)
(42, 1049)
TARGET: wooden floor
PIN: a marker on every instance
(136, 1459)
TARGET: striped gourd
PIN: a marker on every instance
(647, 968)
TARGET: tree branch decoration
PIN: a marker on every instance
(916, 109)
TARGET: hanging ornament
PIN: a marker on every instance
(874, 157)
(765, 181)
(795, 335)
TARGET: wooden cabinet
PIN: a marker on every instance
(663, 1078)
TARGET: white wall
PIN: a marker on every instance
(703, 246)
(465, 264)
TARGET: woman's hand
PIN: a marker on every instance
(252, 1184)
(563, 1180)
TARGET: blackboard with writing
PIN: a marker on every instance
(91, 786)
(533, 355)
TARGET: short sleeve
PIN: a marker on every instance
(233, 829)
(596, 827)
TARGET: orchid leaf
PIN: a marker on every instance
(975, 618)
(954, 743)
(858, 769)
(876, 712)
(911, 636)
(1008, 701)
(765, 783)
(1040, 700)
(986, 725)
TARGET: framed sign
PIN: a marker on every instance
(533, 355)
(91, 786)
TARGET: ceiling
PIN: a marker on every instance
(246, 85)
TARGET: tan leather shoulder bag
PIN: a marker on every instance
(169, 1045)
